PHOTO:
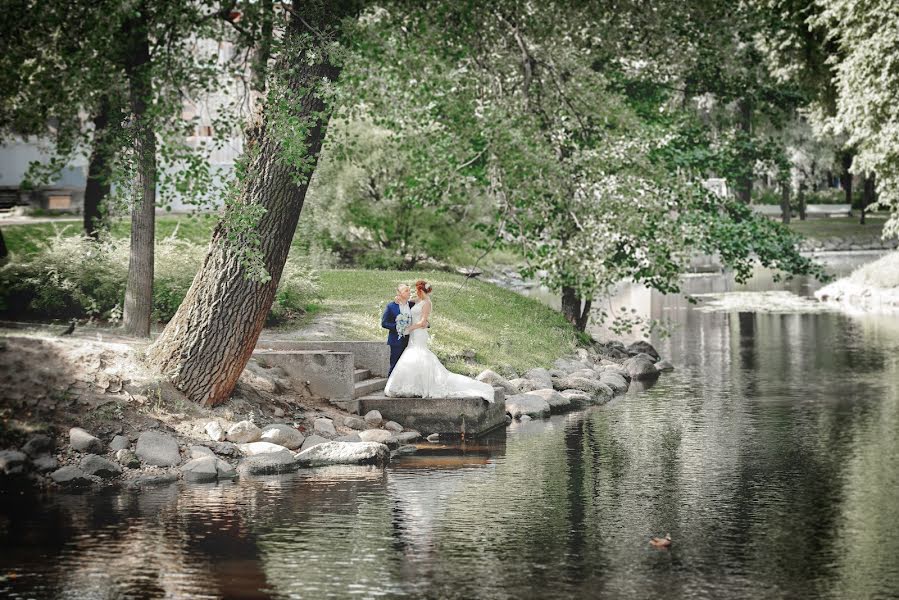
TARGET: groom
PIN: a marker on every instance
(402, 305)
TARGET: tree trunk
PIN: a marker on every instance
(576, 314)
(785, 202)
(3, 251)
(264, 50)
(867, 196)
(209, 341)
(744, 182)
(846, 179)
(802, 202)
(97, 187)
(139, 289)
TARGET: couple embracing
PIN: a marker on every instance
(414, 370)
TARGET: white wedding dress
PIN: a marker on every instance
(419, 373)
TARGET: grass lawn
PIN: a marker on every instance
(840, 227)
(506, 330)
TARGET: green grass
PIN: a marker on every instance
(840, 227)
(506, 330)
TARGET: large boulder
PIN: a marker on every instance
(312, 440)
(664, 365)
(613, 368)
(557, 402)
(268, 464)
(200, 470)
(577, 398)
(373, 418)
(254, 448)
(393, 427)
(119, 442)
(82, 441)
(522, 386)
(215, 431)
(613, 350)
(99, 466)
(70, 476)
(244, 432)
(357, 423)
(38, 445)
(526, 404)
(12, 462)
(407, 436)
(644, 347)
(342, 453)
(155, 448)
(615, 381)
(587, 373)
(283, 435)
(200, 452)
(375, 435)
(494, 378)
(540, 376)
(45, 463)
(640, 368)
(325, 427)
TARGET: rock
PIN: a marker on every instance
(640, 368)
(215, 431)
(224, 469)
(526, 404)
(646, 356)
(577, 397)
(434, 438)
(352, 438)
(278, 412)
(342, 453)
(407, 449)
(200, 452)
(70, 476)
(664, 365)
(269, 464)
(225, 449)
(357, 423)
(325, 427)
(99, 466)
(157, 479)
(127, 458)
(375, 435)
(44, 463)
(615, 368)
(615, 381)
(283, 435)
(525, 418)
(557, 402)
(494, 378)
(591, 386)
(539, 375)
(12, 462)
(568, 365)
(407, 436)
(524, 385)
(160, 449)
(373, 418)
(200, 470)
(119, 442)
(38, 445)
(243, 432)
(644, 347)
(312, 440)
(254, 448)
(393, 426)
(585, 373)
(82, 441)
(611, 350)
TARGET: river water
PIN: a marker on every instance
(770, 455)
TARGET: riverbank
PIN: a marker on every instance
(872, 288)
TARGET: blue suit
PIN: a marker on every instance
(397, 344)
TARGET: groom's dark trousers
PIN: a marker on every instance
(397, 344)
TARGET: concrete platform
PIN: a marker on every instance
(464, 417)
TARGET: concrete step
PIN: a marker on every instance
(361, 375)
(369, 386)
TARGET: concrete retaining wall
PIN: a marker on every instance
(325, 374)
(374, 356)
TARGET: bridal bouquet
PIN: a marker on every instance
(402, 322)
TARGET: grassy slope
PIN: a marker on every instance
(840, 227)
(504, 329)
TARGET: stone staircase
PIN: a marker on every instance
(366, 384)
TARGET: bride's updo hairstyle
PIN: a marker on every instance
(422, 287)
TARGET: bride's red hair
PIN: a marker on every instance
(422, 286)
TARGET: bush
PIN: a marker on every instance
(75, 276)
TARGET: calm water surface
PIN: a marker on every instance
(771, 455)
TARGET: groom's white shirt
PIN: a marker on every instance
(404, 308)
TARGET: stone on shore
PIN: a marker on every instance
(557, 402)
(591, 386)
(393, 426)
(644, 347)
(342, 453)
(577, 397)
(664, 365)
(522, 386)
(243, 432)
(254, 448)
(155, 448)
(526, 404)
(200, 452)
(494, 378)
(82, 441)
(215, 431)
(119, 442)
(200, 470)
(12, 462)
(357, 423)
(325, 427)
(640, 368)
(283, 435)
(127, 458)
(38, 445)
(224, 469)
(225, 449)
(615, 381)
(375, 435)
(615, 368)
(373, 418)
(539, 375)
(45, 463)
(352, 438)
(407, 436)
(525, 418)
(70, 476)
(99, 466)
(585, 373)
(272, 463)
(313, 440)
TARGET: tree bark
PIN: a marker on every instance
(867, 196)
(97, 187)
(264, 50)
(3, 251)
(744, 182)
(209, 341)
(846, 178)
(802, 202)
(785, 202)
(576, 313)
(139, 289)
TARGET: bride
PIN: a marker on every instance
(419, 373)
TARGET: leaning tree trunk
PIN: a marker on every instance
(97, 187)
(576, 313)
(209, 341)
(139, 289)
